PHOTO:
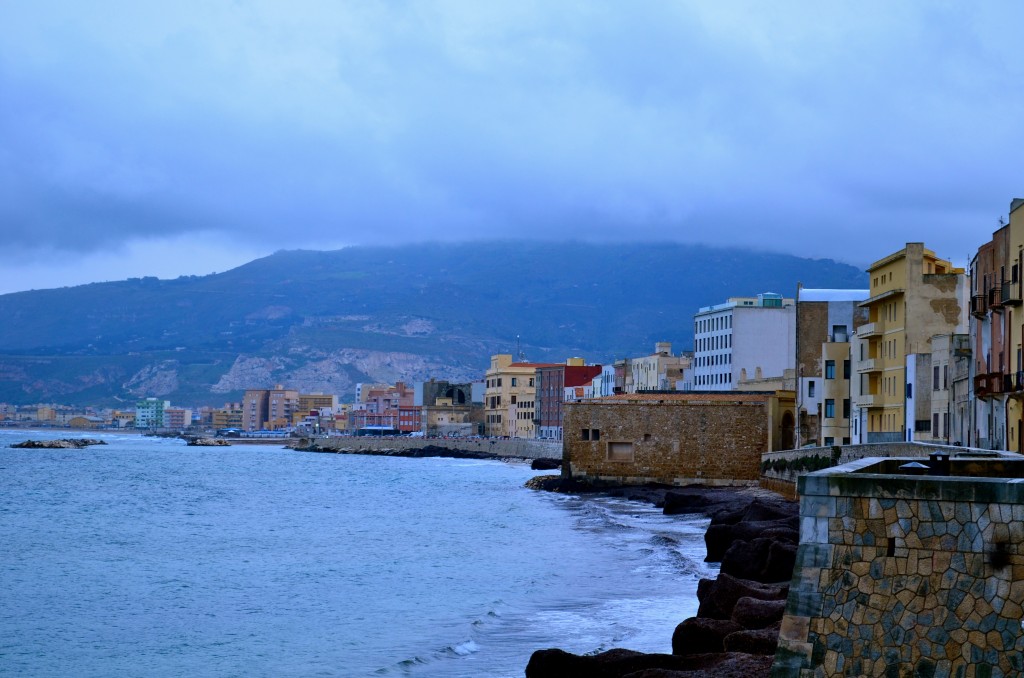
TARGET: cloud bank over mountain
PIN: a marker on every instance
(189, 137)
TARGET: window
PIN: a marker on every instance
(829, 441)
(810, 388)
(513, 397)
(846, 369)
(935, 378)
(830, 408)
(846, 441)
(620, 451)
(531, 381)
(830, 369)
(935, 423)
(585, 434)
(499, 382)
(513, 382)
(595, 434)
(846, 408)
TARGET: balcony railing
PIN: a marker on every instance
(869, 365)
(995, 297)
(869, 400)
(988, 384)
(979, 305)
(1011, 293)
(868, 330)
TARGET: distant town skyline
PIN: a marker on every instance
(189, 138)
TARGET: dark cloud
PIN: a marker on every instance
(822, 130)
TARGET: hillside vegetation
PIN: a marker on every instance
(322, 321)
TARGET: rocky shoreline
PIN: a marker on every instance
(754, 535)
(423, 451)
(61, 444)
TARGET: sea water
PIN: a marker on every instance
(145, 557)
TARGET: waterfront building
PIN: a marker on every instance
(229, 416)
(510, 397)
(1010, 294)
(177, 418)
(914, 296)
(554, 386)
(83, 421)
(745, 338)
(657, 372)
(149, 413)
(603, 384)
(119, 419)
(363, 390)
(950, 420)
(825, 319)
(445, 417)
(385, 407)
(428, 392)
(269, 409)
(677, 438)
(988, 332)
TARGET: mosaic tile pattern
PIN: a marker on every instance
(921, 577)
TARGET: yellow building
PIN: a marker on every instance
(914, 296)
(229, 416)
(315, 402)
(510, 397)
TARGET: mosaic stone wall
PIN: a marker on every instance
(906, 576)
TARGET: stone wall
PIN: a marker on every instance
(714, 441)
(907, 575)
(521, 448)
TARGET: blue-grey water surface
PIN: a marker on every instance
(145, 557)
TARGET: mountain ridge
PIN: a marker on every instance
(310, 318)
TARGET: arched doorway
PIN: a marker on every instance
(786, 441)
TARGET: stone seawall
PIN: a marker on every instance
(514, 448)
(907, 575)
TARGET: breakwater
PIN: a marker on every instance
(485, 447)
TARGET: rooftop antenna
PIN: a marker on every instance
(519, 350)
(1002, 222)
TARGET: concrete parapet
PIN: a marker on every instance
(780, 470)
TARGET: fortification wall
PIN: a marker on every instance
(520, 448)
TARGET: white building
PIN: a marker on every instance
(744, 338)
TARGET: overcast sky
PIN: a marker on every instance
(171, 138)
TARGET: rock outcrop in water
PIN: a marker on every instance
(62, 444)
(207, 442)
(736, 629)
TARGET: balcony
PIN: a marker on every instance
(1011, 294)
(979, 305)
(961, 346)
(869, 365)
(869, 400)
(988, 384)
(995, 298)
(1013, 383)
(869, 330)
